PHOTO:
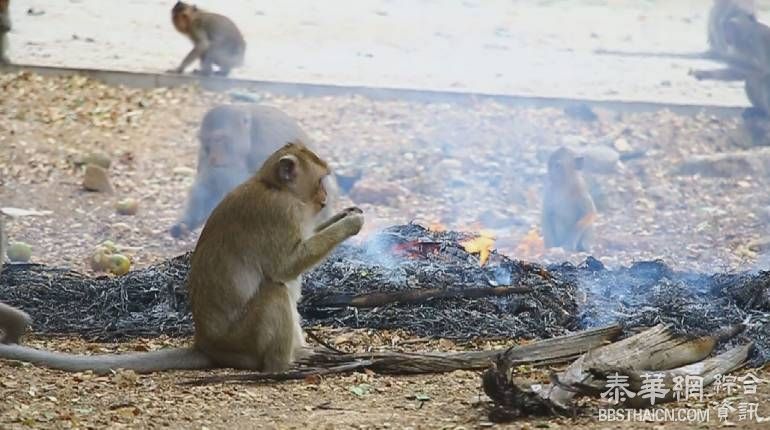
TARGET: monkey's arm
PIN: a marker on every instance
(311, 251)
(200, 46)
(200, 203)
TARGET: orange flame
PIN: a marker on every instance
(531, 245)
(482, 244)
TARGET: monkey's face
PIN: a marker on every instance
(301, 172)
(4, 6)
(221, 148)
(181, 22)
(562, 164)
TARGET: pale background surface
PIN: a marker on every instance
(542, 48)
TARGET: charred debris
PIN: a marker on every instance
(411, 278)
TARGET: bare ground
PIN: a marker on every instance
(467, 167)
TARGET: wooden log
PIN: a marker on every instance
(325, 362)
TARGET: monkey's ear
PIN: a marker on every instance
(579, 161)
(287, 168)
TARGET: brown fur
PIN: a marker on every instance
(245, 275)
(13, 322)
(568, 210)
(216, 39)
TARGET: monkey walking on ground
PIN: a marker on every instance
(5, 27)
(234, 141)
(216, 39)
(245, 276)
(568, 210)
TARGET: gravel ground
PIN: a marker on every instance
(465, 167)
(36, 398)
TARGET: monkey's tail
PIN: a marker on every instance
(143, 362)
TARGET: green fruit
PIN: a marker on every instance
(19, 252)
(119, 264)
(127, 206)
(99, 259)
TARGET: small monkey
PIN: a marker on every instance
(245, 275)
(568, 210)
(5, 27)
(234, 142)
(216, 40)
(13, 322)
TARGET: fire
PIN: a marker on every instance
(415, 248)
(482, 244)
(532, 245)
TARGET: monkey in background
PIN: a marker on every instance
(216, 39)
(721, 34)
(5, 27)
(245, 276)
(739, 39)
(568, 210)
(234, 141)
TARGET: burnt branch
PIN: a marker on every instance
(371, 300)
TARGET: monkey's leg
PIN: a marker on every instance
(3, 44)
(727, 74)
(206, 65)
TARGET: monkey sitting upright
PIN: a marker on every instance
(568, 210)
(245, 276)
(216, 40)
(13, 322)
(739, 39)
(234, 142)
(5, 27)
(721, 34)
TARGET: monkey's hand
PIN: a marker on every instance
(352, 210)
(178, 230)
(338, 216)
(353, 222)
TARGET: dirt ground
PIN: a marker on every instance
(468, 167)
(35, 398)
(539, 48)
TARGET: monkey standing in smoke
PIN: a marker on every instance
(216, 39)
(244, 280)
(5, 27)
(234, 142)
(568, 209)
